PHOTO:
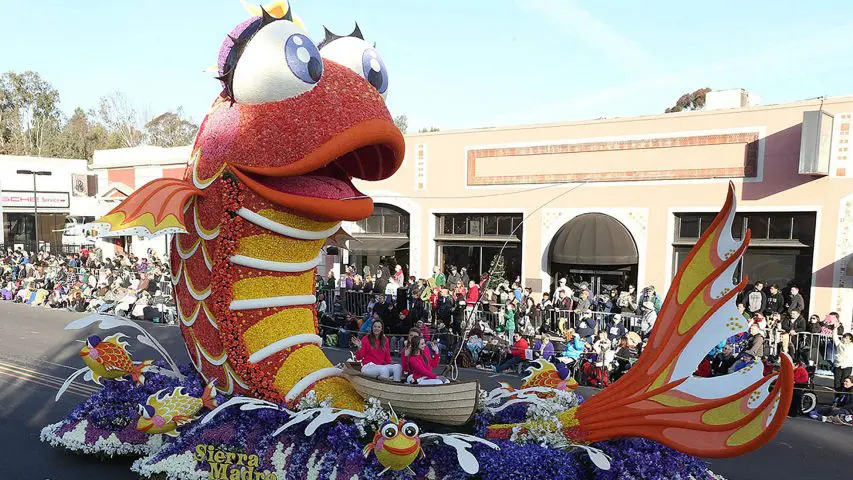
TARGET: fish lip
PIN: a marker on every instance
(401, 451)
(379, 133)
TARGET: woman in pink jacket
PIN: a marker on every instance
(374, 353)
(422, 360)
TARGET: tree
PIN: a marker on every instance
(120, 119)
(402, 123)
(170, 129)
(497, 269)
(428, 130)
(690, 101)
(29, 114)
(79, 137)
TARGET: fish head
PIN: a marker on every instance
(296, 122)
(148, 418)
(400, 439)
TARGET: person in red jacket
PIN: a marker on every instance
(414, 332)
(517, 354)
(374, 353)
(423, 358)
(473, 295)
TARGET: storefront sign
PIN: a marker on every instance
(11, 198)
(80, 185)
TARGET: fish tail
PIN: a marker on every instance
(208, 397)
(138, 370)
(660, 399)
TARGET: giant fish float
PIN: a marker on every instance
(269, 183)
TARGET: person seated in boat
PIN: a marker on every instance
(374, 353)
(414, 332)
(423, 358)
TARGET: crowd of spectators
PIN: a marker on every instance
(86, 282)
(503, 325)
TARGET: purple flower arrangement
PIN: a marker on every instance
(106, 424)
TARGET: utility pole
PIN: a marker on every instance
(34, 173)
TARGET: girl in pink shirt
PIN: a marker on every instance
(374, 353)
(422, 361)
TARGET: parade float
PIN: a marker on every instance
(267, 187)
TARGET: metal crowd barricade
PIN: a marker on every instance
(817, 348)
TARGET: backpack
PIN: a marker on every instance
(753, 301)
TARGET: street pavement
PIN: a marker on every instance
(37, 354)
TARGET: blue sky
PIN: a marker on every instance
(455, 64)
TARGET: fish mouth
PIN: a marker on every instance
(320, 184)
(401, 451)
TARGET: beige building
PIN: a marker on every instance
(621, 200)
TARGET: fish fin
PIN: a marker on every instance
(660, 399)
(139, 369)
(409, 469)
(173, 433)
(156, 208)
(367, 449)
(116, 339)
(506, 386)
(208, 397)
(182, 419)
(383, 471)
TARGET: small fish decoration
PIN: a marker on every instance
(108, 358)
(165, 412)
(396, 445)
(546, 374)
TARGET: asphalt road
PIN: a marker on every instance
(37, 354)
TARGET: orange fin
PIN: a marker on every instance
(208, 397)
(139, 369)
(660, 398)
(182, 419)
(156, 208)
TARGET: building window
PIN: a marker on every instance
(384, 221)
(780, 250)
(480, 225)
(474, 240)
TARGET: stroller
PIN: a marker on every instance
(594, 370)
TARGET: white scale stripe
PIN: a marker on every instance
(188, 322)
(309, 379)
(186, 255)
(177, 278)
(291, 232)
(283, 344)
(272, 266)
(286, 301)
(204, 257)
(200, 230)
(203, 295)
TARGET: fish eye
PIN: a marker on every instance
(360, 57)
(269, 63)
(146, 411)
(410, 430)
(389, 431)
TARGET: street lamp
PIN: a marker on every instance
(35, 198)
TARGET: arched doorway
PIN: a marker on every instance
(594, 248)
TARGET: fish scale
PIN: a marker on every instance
(278, 336)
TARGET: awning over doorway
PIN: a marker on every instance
(594, 239)
(378, 245)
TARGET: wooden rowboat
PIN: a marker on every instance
(452, 403)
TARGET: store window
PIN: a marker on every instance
(781, 248)
(384, 221)
(474, 241)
